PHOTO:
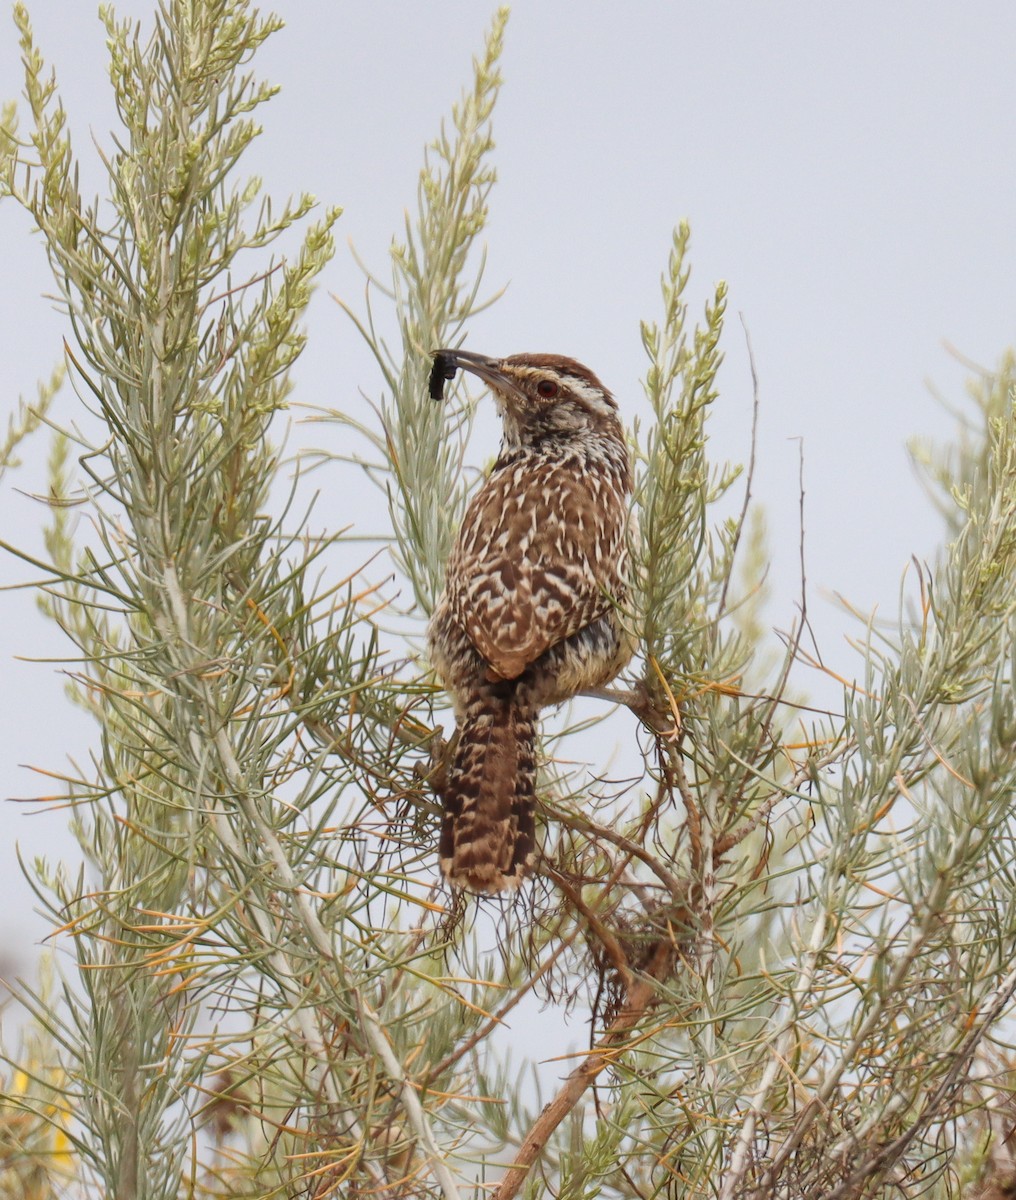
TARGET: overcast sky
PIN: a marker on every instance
(848, 169)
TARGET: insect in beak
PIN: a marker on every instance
(490, 370)
(444, 368)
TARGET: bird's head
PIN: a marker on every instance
(539, 395)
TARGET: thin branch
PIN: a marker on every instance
(638, 999)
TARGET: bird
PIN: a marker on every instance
(532, 608)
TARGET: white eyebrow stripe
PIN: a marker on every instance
(590, 395)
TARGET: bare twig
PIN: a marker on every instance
(608, 1049)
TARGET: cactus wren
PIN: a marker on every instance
(529, 612)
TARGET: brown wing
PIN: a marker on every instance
(539, 556)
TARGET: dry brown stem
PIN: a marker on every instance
(638, 999)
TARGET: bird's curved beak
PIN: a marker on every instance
(481, 365)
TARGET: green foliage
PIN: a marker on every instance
(419, 453)
(951, 473)
(677, 485)
(28, 419)
(792, 942)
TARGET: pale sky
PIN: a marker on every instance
(848, 169)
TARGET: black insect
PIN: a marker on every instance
(443, 368)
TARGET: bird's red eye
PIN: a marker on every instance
(547, 388)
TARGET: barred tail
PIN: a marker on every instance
(488, 835)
